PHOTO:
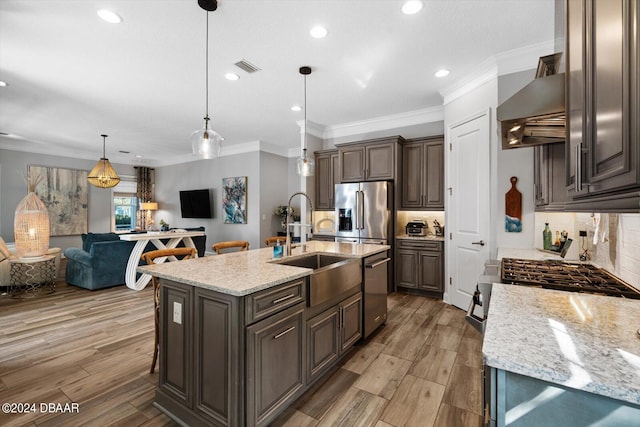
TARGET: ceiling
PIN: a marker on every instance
(72, 76)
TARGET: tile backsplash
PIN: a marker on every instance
(403, 217)
(612, 242)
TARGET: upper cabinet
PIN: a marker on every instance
(327, 175)
(603, 124)
(423, 174)
(549, 177)
(372, 160)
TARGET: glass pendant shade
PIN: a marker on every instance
(31, 227)
(103, 175)
(306, 165)
(206, 142)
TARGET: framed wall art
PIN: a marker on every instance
(65, 192)
(234, 200)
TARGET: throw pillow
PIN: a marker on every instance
(4, 250)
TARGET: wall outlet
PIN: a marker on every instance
(177, 313)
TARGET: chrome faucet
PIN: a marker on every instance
(287, 248)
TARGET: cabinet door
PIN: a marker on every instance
(326, 173)
(352, 164)
(351, 321)
(217, 371)
(540, 185)
(434, 175)
(275, 364)
(610, 152)
(412, 170)
(380, 161)
(176, 357)
(430, 265)
(335, 178)
(323, 337)
(407, 268)
(576, 86)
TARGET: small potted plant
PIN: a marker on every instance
(281, 211)
(163, 225)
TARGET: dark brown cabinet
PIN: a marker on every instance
(420, 265)
(372, 160)
(602, 104)
(327, 175)
(549, 167)
(275, 364)
(423, 174)
(331, 333)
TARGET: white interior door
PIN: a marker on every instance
(468, 209)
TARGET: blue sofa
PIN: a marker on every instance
(102, 261)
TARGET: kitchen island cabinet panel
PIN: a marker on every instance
(275, 364)
(176, 371)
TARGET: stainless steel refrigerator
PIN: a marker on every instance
(364, 212)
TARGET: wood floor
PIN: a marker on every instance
(95, 349)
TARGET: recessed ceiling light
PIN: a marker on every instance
(412, 7)
(442, 73)
(318, 32)
(109, 16)
(296, 108)
(231, 76)
(3, 83)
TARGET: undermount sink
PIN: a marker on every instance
(332, 275)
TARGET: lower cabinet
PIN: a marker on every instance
(275, 364)
(420, 265)
(331, 333)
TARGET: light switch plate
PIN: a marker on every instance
(177, 313)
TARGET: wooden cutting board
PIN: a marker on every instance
(513, 208)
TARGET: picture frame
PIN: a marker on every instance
(65, 192)
(234, 200)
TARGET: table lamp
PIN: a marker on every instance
(148, 207)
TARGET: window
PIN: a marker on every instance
(124, 206)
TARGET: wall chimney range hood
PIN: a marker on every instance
(536, 114)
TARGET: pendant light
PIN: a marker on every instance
(206, 142)
(306, 164)
(103, 175)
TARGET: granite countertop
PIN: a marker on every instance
(427, 237)
(525, 253)
(581, 341)
(243, 273)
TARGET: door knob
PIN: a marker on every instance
(481, 243)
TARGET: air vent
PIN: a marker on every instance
(125, 152)
(247, 66)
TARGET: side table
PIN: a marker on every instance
(32, 273)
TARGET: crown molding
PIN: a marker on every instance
(511, 61)
(409, 118)
(313, 128)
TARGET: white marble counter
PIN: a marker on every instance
(243, 273)
(581, 341)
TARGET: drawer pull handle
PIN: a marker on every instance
(284, 298)
(284, 332)
(378, 263)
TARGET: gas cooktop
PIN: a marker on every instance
(565, 276)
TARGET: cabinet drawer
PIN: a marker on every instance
(423, 245)
(270, 301)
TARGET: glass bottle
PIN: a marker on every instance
(546, 237)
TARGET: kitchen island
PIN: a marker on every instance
(241, 337)
(560, 358)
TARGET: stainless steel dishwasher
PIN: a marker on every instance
(375, 291)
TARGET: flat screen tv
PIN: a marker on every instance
(195, 204)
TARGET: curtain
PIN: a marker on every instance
(145, 178)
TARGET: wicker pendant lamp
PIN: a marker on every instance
(103, 175)
(31, 224)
